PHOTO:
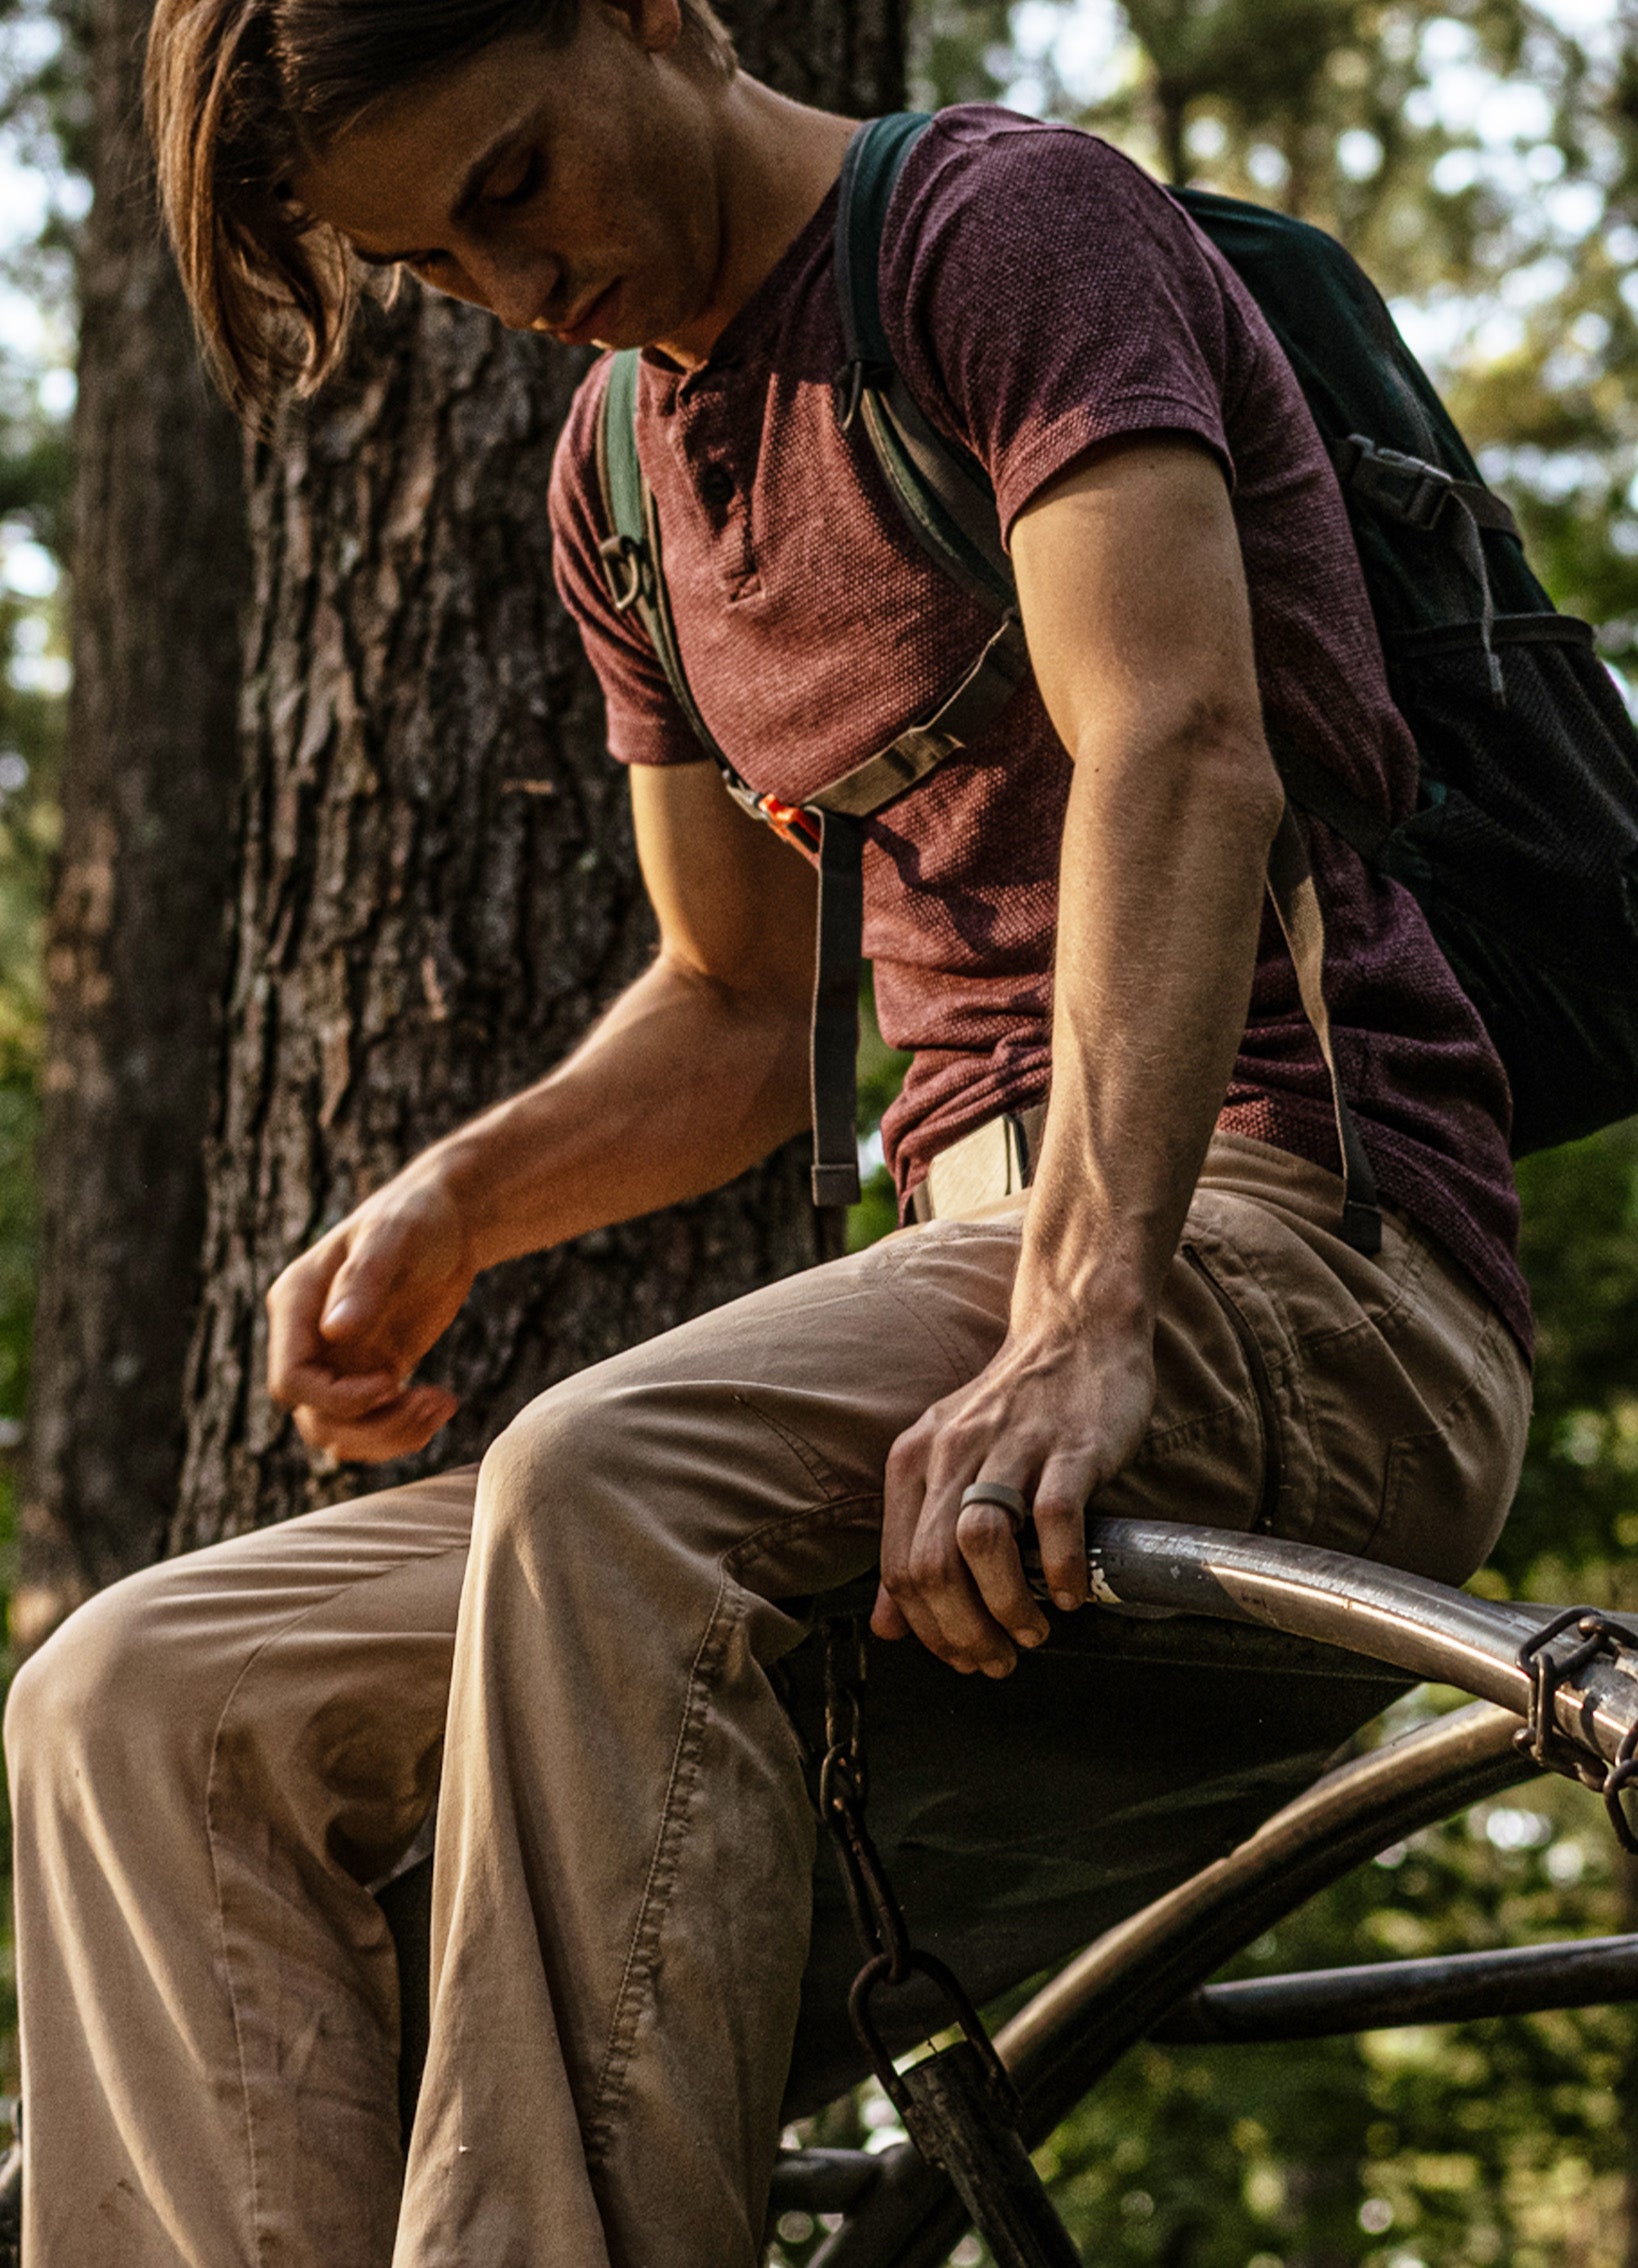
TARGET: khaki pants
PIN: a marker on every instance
(213, 1760)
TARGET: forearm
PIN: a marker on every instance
(683, 1084)
(1164, 856)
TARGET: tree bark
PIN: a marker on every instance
(438, 889)
(135, 948)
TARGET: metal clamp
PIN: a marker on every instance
(1540, 1737)
(879, 1972)
(629, 571)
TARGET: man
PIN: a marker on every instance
(573, 1647)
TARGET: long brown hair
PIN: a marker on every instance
(239, 92)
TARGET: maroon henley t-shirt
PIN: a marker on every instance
(1041, 294)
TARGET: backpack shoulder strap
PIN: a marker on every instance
(630, 552)
(942, 492)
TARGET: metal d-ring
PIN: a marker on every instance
(878, 1972)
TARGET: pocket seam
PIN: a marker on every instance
(1261, 1382)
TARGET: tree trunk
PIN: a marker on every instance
(135, 949)
(437, 884)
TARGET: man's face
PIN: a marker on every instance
(567, 189)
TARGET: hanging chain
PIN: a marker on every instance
(844, 1785)
(843, 1782)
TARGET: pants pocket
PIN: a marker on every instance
(1262, 1392)
(1447, 1488)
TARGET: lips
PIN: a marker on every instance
(588, 319)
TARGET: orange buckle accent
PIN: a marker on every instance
(791, 820)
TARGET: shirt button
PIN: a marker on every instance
(716, 486)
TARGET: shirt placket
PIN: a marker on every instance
(708, 438)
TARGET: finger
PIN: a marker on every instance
(1060, 1528)
(293, 1338)
(988, 1542)
(903, 1488)
(404, 1426)
(941, 1583)
(361, 1289)
(885, 1619)
(315, 1386)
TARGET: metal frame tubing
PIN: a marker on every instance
(1108, 1998)
(1154, 1966)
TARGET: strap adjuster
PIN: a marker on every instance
(851, 383)
(629, 571)
(794, 822)
(1413, 491)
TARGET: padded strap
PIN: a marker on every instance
(632, 558)
(870, 174)
(1296, 905)
(944, 497)
(941, 490)
(835, 1041)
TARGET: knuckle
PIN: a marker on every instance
(930, 1568)
(1062, 1513)
(904, 1459)
(984, 1529)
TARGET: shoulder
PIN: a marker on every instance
(992, 176)
(573, 498)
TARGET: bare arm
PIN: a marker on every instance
(1134, 600)
(698, 1070)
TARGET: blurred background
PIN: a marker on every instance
(1482, 161)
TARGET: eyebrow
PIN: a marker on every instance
(466, 196)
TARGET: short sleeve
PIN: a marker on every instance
(1042, 294)
(645, 724)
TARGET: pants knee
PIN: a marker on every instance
(91, 1686)
(554, 1455)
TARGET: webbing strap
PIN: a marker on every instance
(1296, 905)
(1425, 496)
(835, 1039)
(971, 709)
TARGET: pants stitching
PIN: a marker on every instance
(793, 1525)
(1484, 1362)
(643, 1953)
(314, 1606)
(960, 1369)
(806, 1455)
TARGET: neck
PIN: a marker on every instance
(777, 161)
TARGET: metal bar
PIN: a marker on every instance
(821, 2181)
(1077, 2026)
(1419, 1626)
(1109, 1997)
(1380, 1996)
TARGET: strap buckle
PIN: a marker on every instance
(1411, 490)
(794, 822)
(850, 386)
(628, 570)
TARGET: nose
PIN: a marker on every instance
(517, 286)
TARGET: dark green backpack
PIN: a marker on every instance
(1524, 849)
